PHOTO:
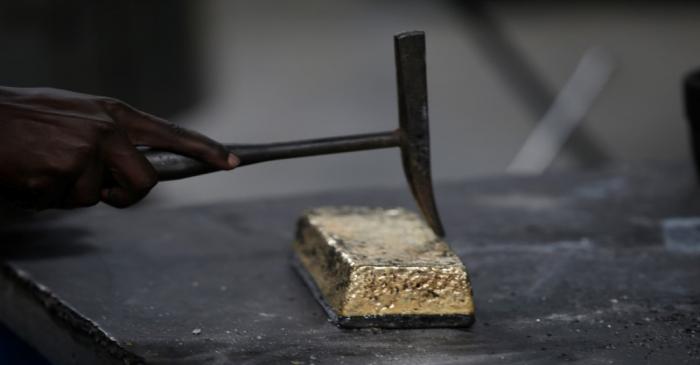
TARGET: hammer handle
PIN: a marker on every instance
(171, 166)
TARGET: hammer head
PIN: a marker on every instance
(414, 133)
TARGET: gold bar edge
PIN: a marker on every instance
(402, 275)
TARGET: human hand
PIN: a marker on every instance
(61, 149)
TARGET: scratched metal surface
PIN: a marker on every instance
(568, 266)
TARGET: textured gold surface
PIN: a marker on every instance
(371, 261)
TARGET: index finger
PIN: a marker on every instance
(148, 130)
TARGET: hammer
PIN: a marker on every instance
(412, 136)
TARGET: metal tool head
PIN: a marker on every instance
(414, 132)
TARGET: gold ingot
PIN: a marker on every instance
(374, 267)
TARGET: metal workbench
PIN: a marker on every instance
(590, 266)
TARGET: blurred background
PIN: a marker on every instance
(500, 73)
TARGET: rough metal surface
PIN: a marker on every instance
(370, 264)
(569, 266)
(384, 321)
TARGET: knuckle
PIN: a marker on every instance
(37, 184)
(115, 108)
(105, 128)
(84, 151)
(69, 167)
(111, 103)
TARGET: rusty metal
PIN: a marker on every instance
(412, 137)
(409, 49)
(373, 267)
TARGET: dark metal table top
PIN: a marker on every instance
(567, 266)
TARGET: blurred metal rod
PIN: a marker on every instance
(522, 77)
(565, 114)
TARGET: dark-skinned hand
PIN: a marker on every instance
(60, 149)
